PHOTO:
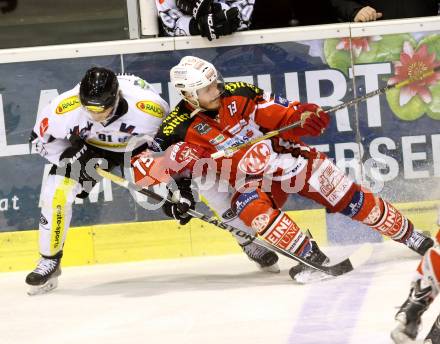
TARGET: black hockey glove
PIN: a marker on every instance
(219, 22)
(195, 8)
(179, 210)
(76, 161)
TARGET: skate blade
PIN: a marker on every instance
(44, 288)
(274, 268)
(399, 337)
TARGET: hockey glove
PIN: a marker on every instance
(76, 161)
(184, 201)
(219, 22)
(195, 8)
(314, 120)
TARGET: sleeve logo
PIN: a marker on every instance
(150, 108)
(67, 105)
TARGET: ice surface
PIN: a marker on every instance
(211, 300)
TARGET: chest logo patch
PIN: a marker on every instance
(67, 105)
(255, 159)
(150, 108)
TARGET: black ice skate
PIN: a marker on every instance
(304, 274)
(265, 259)
(419, 242)
(45, 276)
(409, 315)
(433, 336)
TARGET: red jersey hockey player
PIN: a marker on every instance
(212, 117)
(424, 289)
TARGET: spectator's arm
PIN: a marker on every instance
(245, 8)
(174, 22)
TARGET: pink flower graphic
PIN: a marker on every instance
(359, 44)
(414, 66)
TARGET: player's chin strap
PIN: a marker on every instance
(347, 265)
(231, 150)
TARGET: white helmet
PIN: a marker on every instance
(192, 74)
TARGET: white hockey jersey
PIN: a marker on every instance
(176, 23)
(139, 114)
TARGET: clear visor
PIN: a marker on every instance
(99, 113)
(213, 91)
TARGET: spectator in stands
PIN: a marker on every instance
(370, 10)
(215, 18)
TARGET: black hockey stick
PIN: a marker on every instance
(229, 151)
(357, 258)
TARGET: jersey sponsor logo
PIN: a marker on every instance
(255, 159)
(330, 182)
(44, 125)
(355, 205)
(202, 128)
(283, 232)
(392, 224)
(260, 222)
(216, 140)
(67, 105)
(150, 108)
(172, 121)
(244, 199)
(233, 86)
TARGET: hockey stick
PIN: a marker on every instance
(229, 151)
(357, 258)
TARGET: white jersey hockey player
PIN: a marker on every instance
(95, 119)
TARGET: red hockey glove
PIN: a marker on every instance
(314, 120)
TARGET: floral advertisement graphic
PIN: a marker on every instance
(411, 60)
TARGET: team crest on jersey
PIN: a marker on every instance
(256, 159)
(44, 125)
(150, 108)
(67, 105)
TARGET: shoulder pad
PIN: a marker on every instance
(67, 105)
(151, 108)
(176, 122)
(241, 88)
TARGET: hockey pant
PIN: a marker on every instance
(321, 181)
(58, 195)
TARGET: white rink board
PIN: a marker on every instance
(210, 300)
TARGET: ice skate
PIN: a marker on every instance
(408, 317)
(45, 276)
(433, 336)
(304, 274)
(265, 259)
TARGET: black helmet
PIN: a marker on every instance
(99, 88)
